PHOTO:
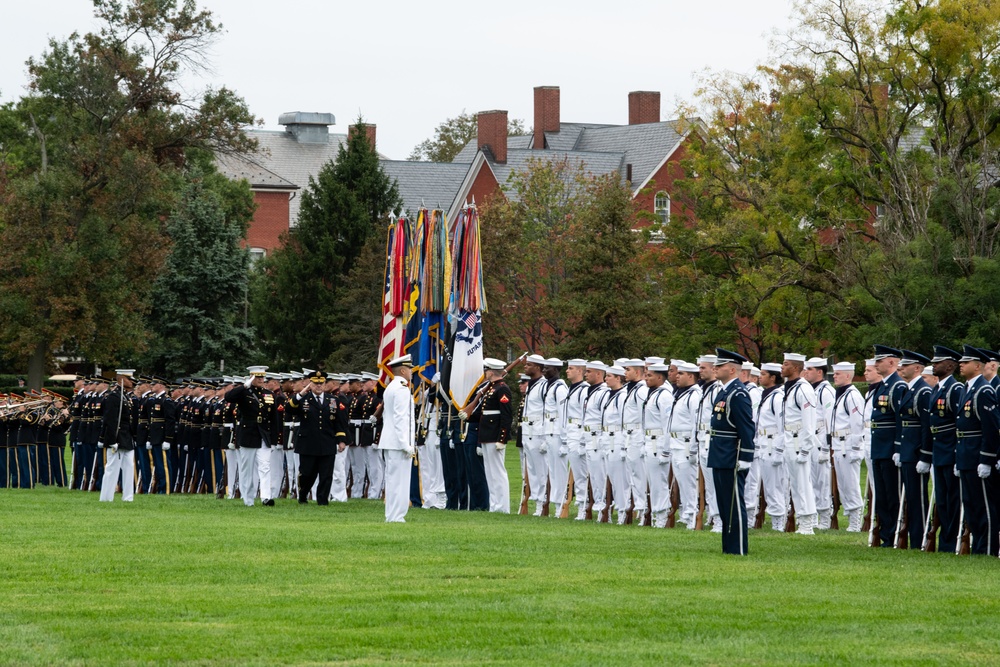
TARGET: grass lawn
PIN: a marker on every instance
(198, 581)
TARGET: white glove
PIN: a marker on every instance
(984, 470)
(623, 453)
(663, 458)
(998, 465)
(479, 451)
(543, 448)
(100, 445)
(895, 459)
(228, 425)
(501, 447)
(246, 383)
(743, 465)
(166, 446)
(373, 420)
(149, 445)
(114, 448)
(462, 416)
(802, 457)
(185, 448)
(410, 450)
(563, 450)
(779, 458)
(923, 467)
(451, 444)
(955, 470)
(855, 455)
(232, 445)
(824, 457)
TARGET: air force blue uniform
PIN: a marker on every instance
(914, 436)
(945, 402)
(978, 442)
(886, 475)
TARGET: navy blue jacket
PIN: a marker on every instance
(884, 405)
(946, 400)
(732, 427)
(976, 427)
(913, 421)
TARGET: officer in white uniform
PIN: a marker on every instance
(822, 477)
(799, 424)
(682, 427)
(397, 442)
(593, 417)
(557, 456)
(632, 428)
(574, 433)
(533, 431)
(709, 388)
(846, 428)
(656, 411)
(770, 443)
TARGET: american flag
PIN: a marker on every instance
(392, 326)
(470, 320)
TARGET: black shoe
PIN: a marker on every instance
(268, 503)
(303, 502)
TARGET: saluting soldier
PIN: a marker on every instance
(945, 403)
(914, 437)
(730, 450)
(258, 427)
(322, 428)
(117, 438)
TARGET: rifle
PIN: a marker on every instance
(564, 513)
(933, 522)
(590, 501)
(525, 486)
(790, 520)
(609, 494)
(761, 508)
(899, 542)
(92, 486)
(834, 489)
(465, 412)
(875, 526)
(964, 546)
(72, 466)
(675, 498)
(699, 521)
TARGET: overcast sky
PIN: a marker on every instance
(406, 66)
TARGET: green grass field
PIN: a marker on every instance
(198, 581)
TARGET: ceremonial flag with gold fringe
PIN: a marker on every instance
(391, 342)
(467, 302)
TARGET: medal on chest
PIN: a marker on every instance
(940, 407)
(720, 407)
(883, 402)
(968, 408)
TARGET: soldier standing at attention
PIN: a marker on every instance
(496, 414)
(397, 440)
(117, 438)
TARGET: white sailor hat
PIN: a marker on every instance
(554, 362)
(659, 368)
(492, 364)
(523, 378)
(815, 362)
(677, 362)
(685, 367)
(620, 362)
(844, 366)
(794, 356)
(869, 362)
(405, 360)
(771, 367)
(928, 370)
(257, 370)
(616, 370)
(634, 363)
(536, 359)
(707, 359)
(654, 360)
(747, 366)
(576, 362)
(754, 371)
(596, 365)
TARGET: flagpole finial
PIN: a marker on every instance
(473, 201)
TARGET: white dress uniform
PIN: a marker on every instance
(708, 395)
(847, 426)
(533, 440)
(635, 467)
(656, 411)
(576, 444)
(799, 424)
(866, 441)
(613, 448)
(770, 442)
(557, 454)
(751, 489)
(597, 466)
(682, 428)
(822, 478)
(431, 470)
(397, 446)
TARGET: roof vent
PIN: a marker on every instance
(308, 127)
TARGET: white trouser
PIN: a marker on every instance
(751, 491)
(338, 490)
(848, 482)
(711, 503)
(685, 469)
(822, 479)
(496, 476)
(636, 468)
(614, 451)
(376, 472)
(658, 477)
(265, 473)
(124, 462)
(774, 479)
(597, 471)
(232, 471)
(432, 474)
(397, 484)
(292, 464)
(537, 465)
(557, 460)
(249, 477)
(277, 471)
(359, 461)
(800, 483)
(578, 464)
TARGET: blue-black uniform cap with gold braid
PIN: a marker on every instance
(723, 357)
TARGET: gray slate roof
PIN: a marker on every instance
(644, 145)
(435, 184)
(597, 164)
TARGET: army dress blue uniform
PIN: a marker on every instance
(731, 444)
(321, 428)
(945, 402)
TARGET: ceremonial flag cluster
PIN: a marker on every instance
(434, 300)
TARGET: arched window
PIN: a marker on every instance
(661, 207)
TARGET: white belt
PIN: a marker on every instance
(793, 428)
(654, 431)
(702, 428)
(491, 412)
(294, 423)
(570, 420)
(551, 415)
(868, 424)
(842, 433)
(686, 437)
(358, 422)
(631, 427)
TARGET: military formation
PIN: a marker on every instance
(718, 443)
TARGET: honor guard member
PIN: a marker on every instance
(976, 452)
(117, 438)
(634, 440)
(752, 497)
(369, 385)
(557, 455)
(58, 429)
(945, 402)
(289, 427)
(593, 415)
(429, 444)
(341, 465)
(321, 429)
(913, 424)
(156, 437)
(472, 452)
(215, 470)
(278, 471)
(397, 439)
(709, 388)
(576, 401)
(496, 415)
(257, 428)
(80, 389)
(656, 409)
(456, 483)
(730, 450)
(171, 435)
(613, 443)
(990, 368)
(682, 429)
(533, 431)
(769, 447)
(142, 394)
(798, 421)
(94, 457)
(846, 428)
(814, 372)
(887, 477)
(27, 435)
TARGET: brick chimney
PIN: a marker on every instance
(643, 107)
(546, 113)
(369, 133)
(491, 132)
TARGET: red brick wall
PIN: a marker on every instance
(664, 180)
(484, 185)
(643, 107)
(546, 113)
(491, 131)
(270, 220)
